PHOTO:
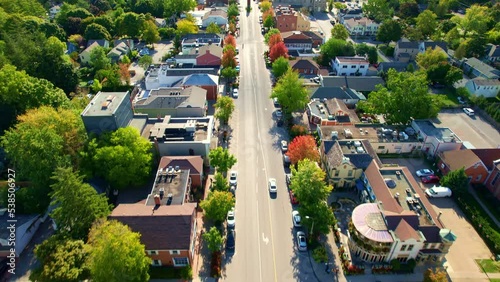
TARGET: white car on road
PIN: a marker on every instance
(235, 92)
(284, 146)
(469, 111)
(231, 220)
(273, 188)
(233, 178)
(296, 219)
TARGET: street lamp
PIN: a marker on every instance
(312, 227)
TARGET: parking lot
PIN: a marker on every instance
(468, 246)
(469, 128)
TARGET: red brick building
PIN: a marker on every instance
(209, 55)
(479, 164)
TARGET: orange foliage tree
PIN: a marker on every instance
(278, 50)
(275, 38)
(303, 147)
(230, 40)
(124, 73)
(228, 58)
(268, 13)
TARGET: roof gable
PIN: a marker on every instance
(193, 163)
(404, 231)
(459, 158)
(487, 156)
(199, 79)
(303, 64)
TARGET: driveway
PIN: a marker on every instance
(468, 246)
(474, 129)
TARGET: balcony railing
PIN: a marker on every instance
(367, 244)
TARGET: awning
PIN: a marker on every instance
(359, 185)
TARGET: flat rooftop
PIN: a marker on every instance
(352, 60)
(171, 187)
(332, 109)
(178, 129)
(405, 194)
(105, 103)
(370, 133)
(443, 134)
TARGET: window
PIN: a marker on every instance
(495, 179)
(336, 172)
(381, 147)
(410, 247)
(156, 262)
(349, 174)
(181, 261)
(353, 67)
(479, 177)
(403, 248)
(344, 67)
(175, 252)
(152, 252)
(361, 67)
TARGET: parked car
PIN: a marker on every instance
(286, 160)
(288, 179)
(233, 178)
(231, 220)
(296, 219)
(469, 111)
(301, 241)
(231, 239)
(273, 188)
(438, 192)
(424, 172)
(293, 199)
(276, 103)
(235, 92)
(284, 146)
(279, 122)
(430, 179)
(461, 100)
(278, 113)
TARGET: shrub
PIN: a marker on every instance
(215, 266)
(187, 273)
(319, 254)
(396, 264)
(389, 51)
(297, 130)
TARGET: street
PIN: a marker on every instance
(265, 248)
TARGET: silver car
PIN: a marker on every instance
(301, 241)
(273, 188)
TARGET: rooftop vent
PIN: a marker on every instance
(177, 168)
(105, 105)
(170, 170)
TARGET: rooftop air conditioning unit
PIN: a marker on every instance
(177, 168)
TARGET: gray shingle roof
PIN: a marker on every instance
(200, 79)
(336, 92)
(358, 83)
(407, 44)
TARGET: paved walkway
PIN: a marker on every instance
(485, 208)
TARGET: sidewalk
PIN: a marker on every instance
(485, 208)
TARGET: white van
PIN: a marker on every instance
(438, 192)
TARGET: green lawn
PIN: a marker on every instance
(494, 280)
(489, 266)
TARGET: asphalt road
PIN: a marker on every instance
(265, 249)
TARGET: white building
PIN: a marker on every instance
(219, 17)
(435, 139)
(483, 87)
(350, 66)
(361, 26)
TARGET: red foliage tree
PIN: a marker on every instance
(230, 40)
(275, 38)
(228, 58)
(279, 50)
(303, 147)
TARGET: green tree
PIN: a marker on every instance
(177, 7)
(229, 73)
(221, 159)
(99, 60)
(475, 20)
(335, 47)
(122, 157)
(427, 23)
(317, 216)
(96, 31)
(44, 139)
(265, 6)
(372, 55)
(270, 33)
(224, 109)
(110, 78)
(290, 92)
(408, 10)
(150, 33)
(213, 28)
(389, 30)
(60, 259)
(217, 205)
(431, 57)
(340, 32)
(378, 10)
(145, 61)
(129, 24)
(116, 253)
(280, 67)
(456, 180)
(269, 22)
(214, 239)
(444, 73)
(405, 96)
(185, 27)
(308, 183)
(220, 183)
(233, 11)
(77, 204)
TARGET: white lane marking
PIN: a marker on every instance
(265, 239)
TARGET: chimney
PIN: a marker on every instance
(157, 200)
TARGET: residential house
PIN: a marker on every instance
(107, 111)
(386, 140)
(305, 66)
(317, 38)
(159, 22)
(475, 68)
(25, 227)
(488, 88)
(287, 19)
(217, 16)
(440, 45)
(346, 14)
(192, 163)
(493, 53)
(169, 232)
(196, 40)
(175, 102)
(348, 96)
(177, 136)
(330, 112)
(118, 52)
(397, 66)
(493, 181)
(70, 48)
(345, 160)
(102, 42)
(407, 225)
(206, 55)
(361, 26)
(477, 163)
(54, 10)
(350, 66)
(313, 6)
(85, 54)
(296, 40)
(365, 84)
(406, 50)
(435, 139)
